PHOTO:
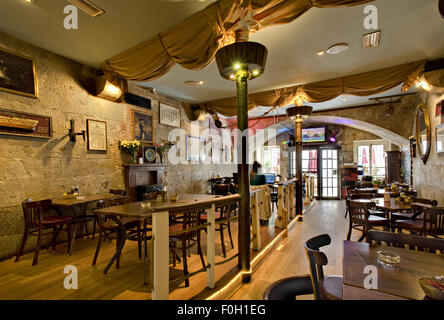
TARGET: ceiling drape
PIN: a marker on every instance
(194, 42)
(362, 84)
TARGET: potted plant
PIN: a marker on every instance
(376, 183)
(131, 147)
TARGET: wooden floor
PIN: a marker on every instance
(289, 259)
(45, 281)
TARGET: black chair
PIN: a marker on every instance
(362, 220)
(289, 288)
(324, 287)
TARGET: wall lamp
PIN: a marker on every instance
(72, 131)
(107, 90)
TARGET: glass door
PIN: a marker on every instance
(310, 166)
(329, 173)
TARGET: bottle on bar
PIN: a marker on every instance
(164, 192)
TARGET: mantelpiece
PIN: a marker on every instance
(141, 175)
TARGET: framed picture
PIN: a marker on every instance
(169, 115)
(440, 138)
(97, 136)
(17, 74)
(194, 147)
(19, 123)
(143, 127)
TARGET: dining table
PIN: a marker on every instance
(398, 282)
(159, 211)
(78, 205)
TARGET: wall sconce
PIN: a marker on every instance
(72, 132)
(107, 90)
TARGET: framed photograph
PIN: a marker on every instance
(19, 123)
(17, 74)
(194, 146)
(143, 127)
(169, 115)
(97, 136)
(440, 138)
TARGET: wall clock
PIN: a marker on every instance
(149, 155)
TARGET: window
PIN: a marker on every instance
(370, 155)
(270, 159)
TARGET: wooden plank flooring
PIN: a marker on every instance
(45, 281)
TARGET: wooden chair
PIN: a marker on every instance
(324, 287)
(289, 288)
(185, 228)
(108, 227)
(432, 223)
(349, 191)
(224, 214)
(401, 240)
(362, 220)
(37, 222)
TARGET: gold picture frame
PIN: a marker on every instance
(18, 74)
(143, 127)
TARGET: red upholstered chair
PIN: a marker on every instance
(36, 221)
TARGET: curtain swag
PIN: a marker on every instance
(362, 84)
(194, 42)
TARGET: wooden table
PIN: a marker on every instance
(79, 206)
(397, 283)
(159, 211)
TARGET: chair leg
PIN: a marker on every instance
(221, 228)
(139, 241)
(199, 249)
(22, 245)
(364, 233)
(54, 238)
(94, 227)
(118, 240)
(185, 263)
(173, 250)
(96, 254)
(85, 223)
(229, 234)
(37, 247)
(68, 236)
(349, 231)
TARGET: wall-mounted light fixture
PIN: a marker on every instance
(107, 90)
(72, 131)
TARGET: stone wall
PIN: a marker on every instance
(45, 168)
(428, 178)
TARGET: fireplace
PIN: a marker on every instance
(141, 178)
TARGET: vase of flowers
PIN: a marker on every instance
(162, 148)
(131, 147)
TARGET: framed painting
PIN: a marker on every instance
(18, 74)
(143, 127)
(97, 136)
(169, 115)
(19, 123)
(440, 138)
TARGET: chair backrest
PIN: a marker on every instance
(289, 288)
(401, 240)
(119, 192)
(221, 189)
(359, 212)
(349, 190)
(317, 260)
(425, 201)
(108, 203)
(434, 221)
(33, 212)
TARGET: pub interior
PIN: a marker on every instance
(221, 149)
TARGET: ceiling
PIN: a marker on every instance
(411, 30)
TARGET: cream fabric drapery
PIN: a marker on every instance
(362, 84)
(194, 42)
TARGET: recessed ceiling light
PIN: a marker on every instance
(320, 53)
(194, 83)
(28, 0)
(337, 48)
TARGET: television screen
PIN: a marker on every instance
(313, 134)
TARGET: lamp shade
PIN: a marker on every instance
(299, 111)
(248, 56)
(105, 89)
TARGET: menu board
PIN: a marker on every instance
(169, 115)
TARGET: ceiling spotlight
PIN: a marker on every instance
(337, 48)
(255, 72)
(194, 83)
(232, 76)
(320, 53)
(237, 66)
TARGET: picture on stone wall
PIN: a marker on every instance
(143, 127)
(17, 74)
(96, 135)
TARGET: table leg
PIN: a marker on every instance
(73, 236)
(256, 223)
(211, 246)
(161, 256)
(121, 244)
